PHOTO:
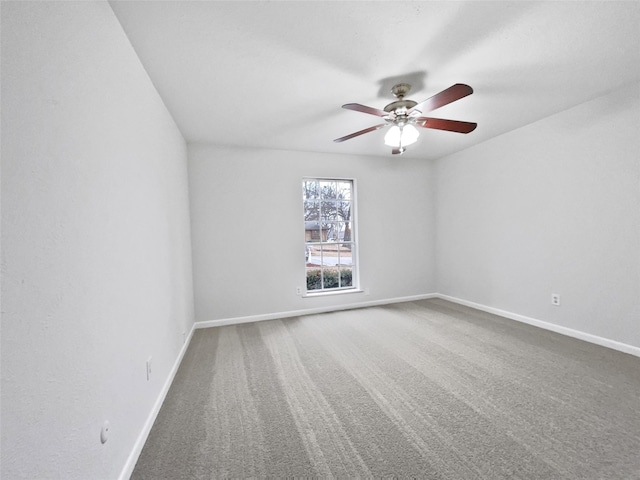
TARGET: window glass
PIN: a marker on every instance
(329, 234)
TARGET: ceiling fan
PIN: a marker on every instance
(404, 115)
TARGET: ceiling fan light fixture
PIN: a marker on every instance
(392, 138)
(409, 135)
(401, 136)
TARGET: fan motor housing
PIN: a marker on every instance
(393, 106)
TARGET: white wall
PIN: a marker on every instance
(248, 230)
(553, 207)
(96, 267)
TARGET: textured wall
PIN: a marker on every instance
(95, 241)
(553, 207)
(248, 237)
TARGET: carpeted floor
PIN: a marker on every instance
(424, 389)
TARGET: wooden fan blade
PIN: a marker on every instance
(361, 132)
(364, 109)
(398, 151)
(449, 125)
(445, 97)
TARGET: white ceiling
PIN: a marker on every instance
(274, 74)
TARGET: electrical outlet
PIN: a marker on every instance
(148, 368)
(555, 299)
(298, 290)
(367, 291)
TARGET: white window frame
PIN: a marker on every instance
(355, 262)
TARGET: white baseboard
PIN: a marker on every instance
(308, 311)
(604, 342)
(587, 337)
(130, 464)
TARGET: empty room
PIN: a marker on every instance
(463, 179)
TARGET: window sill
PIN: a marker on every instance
(330, 293)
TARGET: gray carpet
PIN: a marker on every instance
(424, 389)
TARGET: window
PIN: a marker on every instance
(329, 233)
